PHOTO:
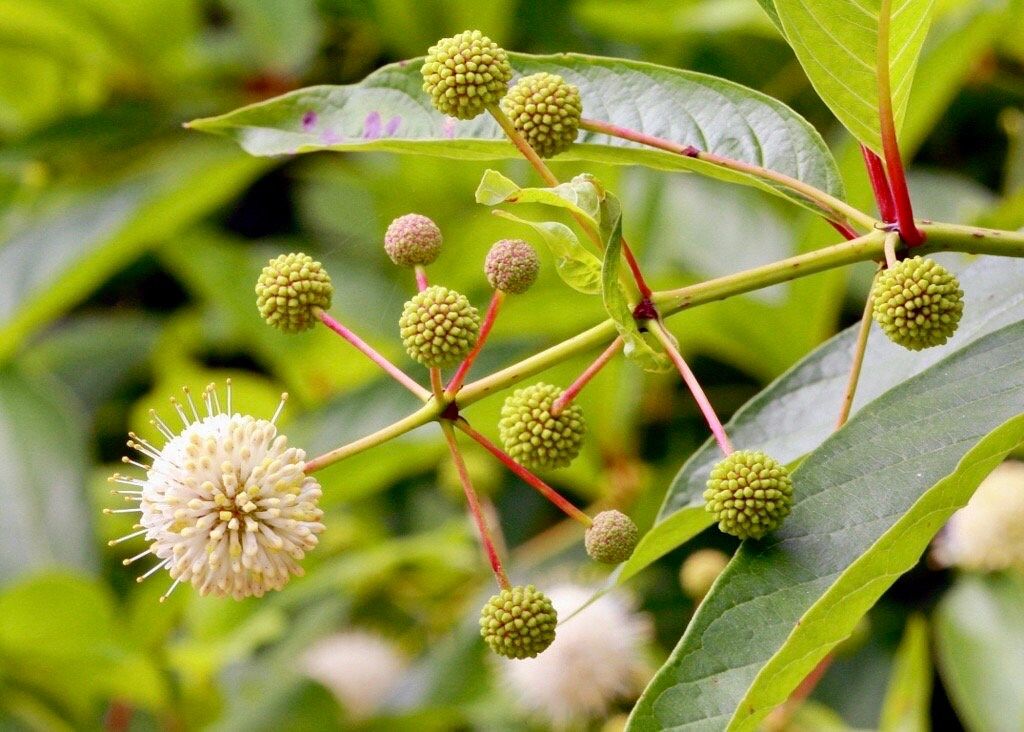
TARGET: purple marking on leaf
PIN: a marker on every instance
(330, 137)
(392, 126)
(448, 130)
(403, 63)
(371, 126)
(309, 121)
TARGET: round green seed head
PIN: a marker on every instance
(518, 622)
(439, 327)
(612, 537)
(465, 73)
(288, 289)
(532, 436)
(700, 570)
(918, 303)
(749, 493)
(412, 239)
(512, 266)
(546, 110)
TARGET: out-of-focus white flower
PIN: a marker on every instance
(225, 503)
(988, 533)
(358, 667)
(595, 659)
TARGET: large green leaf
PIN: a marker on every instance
(81, 237)
(837, 43)
(389, 111)
(793, 415)
(979, 636)
(868, 501)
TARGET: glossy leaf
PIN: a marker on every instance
(837, 42)
(979, 637)
(794, 414)
(867, 502)
(581, 195)
(389, 111)
(906, 707)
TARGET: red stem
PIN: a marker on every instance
(371, 353)
(577, 386)
(474, 508)
(848, 233)
(634, 267)
(879, 184)
(543, 488)
(714, 423)
(890, 146)
(485, 330)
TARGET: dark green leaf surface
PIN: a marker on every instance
(979, 636)
(389, 111)
(867, 503)
(837, 42)
(798, 411)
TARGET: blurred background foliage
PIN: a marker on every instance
(129, 248)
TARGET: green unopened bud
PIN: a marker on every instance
(546, 110)
(518, 622)
(612, 537)
(465, 73)
(532, 436)
(411, 240)
(288, 290)
(918, 303)
(749, 493)
(439, 327)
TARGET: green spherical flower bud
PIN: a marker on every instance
(439, 327)
(749, 493)
(288, 290)
(700, 570)
(465, 73)
(512, 266)
(918, 303)
(518, 622)
(412, 239)
(532, 436)
(546, 110)
(612, 537)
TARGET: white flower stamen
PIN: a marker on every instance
(226, 503)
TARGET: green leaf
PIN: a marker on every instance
(389, 111)
(979, 637)
(45, 521)
(868, 501)
(794, 414)
(83, 236)
(906, 707)
(576, 265)
(582, 195)
(837, 42)
(634, 346)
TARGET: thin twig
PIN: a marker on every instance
(485, 330)
(858, 356)
(591, 371)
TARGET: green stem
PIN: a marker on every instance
(940, 237)
(427, 413)
(858, 355)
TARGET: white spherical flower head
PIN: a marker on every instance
(225, 504)
(361, 669)
(594, 661)
(988, 533)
